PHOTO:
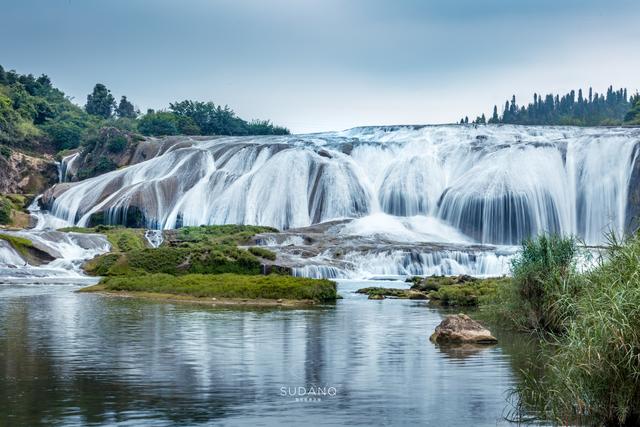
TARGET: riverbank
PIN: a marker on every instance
(211, 302)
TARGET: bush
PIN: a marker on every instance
(5, 151)
(469, 294)
(262, 253)
(5, 211)
(117, 144)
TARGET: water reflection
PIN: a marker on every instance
(78, 359)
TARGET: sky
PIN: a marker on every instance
(320, 65)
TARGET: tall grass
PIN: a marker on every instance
(592, 371)
(544, 285)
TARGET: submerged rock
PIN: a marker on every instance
(460, 328)
(375, 292)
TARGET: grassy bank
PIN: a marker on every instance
(233, 286)
(589, 325)
(197, 263)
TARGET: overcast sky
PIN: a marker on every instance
(315, 65)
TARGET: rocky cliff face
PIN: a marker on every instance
(115, 149)
(24, 174)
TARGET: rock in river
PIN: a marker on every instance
(460, 328)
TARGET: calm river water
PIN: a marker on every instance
(77, 359)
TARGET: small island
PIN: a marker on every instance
(205, 265)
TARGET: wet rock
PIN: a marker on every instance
(392, 293)
(461, 329)
(376, 296)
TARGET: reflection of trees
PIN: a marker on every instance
(44, 379)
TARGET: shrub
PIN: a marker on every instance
(469, 294)
(117, 144)
(5, 211)
(262, 253)
(5, 151)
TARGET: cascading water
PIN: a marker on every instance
(487, 185)
(66, 252)
(67, 165)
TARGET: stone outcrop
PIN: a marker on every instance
(461, 329)
(24, 174)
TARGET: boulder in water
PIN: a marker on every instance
(461, 329)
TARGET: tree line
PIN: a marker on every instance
(36, 116)
(615, 107)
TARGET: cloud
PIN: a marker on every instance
(325, 64)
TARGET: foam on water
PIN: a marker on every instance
(493, 184)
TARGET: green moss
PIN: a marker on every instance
(229, 234)
(227, 286)
(471, 293)
(22, 245)
(262, 253)
(121, 239)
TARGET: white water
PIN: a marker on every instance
(456, 184)
(67, 165)
(69, 251)
(154, 237)
(494, 184)
(394, 264)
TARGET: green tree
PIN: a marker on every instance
(158, 124)
(125, 109)
(100, 102)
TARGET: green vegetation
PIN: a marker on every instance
(121, 239)
(262, 253)
(462, 290)
(544, 285)
(612, 108)
(588, 324)
(11, 210)
(469, 294)
(227, 286)
(633, 116)
(20, 244)
(200, 261)
(37, 118)
(375, 291)
(202, 118)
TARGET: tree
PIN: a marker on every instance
(158, 124)
(126, 109)
(494, 117)
(100, 102)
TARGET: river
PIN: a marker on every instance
(80, 359)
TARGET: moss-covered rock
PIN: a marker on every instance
(468, 293)
(27, 250)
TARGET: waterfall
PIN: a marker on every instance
(67, 165)
(495, 184)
